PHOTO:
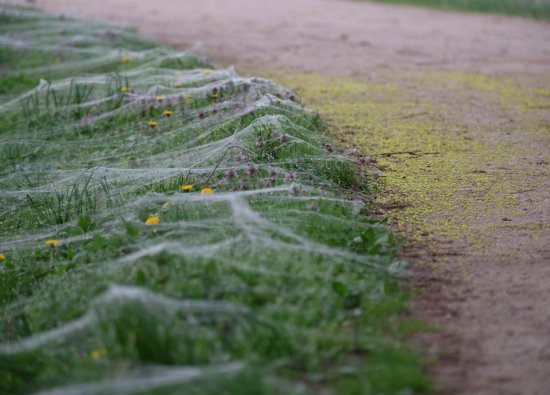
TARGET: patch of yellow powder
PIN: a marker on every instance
(444, 140)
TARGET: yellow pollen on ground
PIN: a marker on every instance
(442, 171)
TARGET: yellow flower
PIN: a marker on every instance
(168, 113)
(152, 124)
(206, 191)
(187, 187)
(2, 257)
(214, 95)
(52, 242)
(125, 58)
(97, 354)
(152, 220)
(206, 71)
(165, 205)
(124, 89)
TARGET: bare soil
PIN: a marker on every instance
(490, 300)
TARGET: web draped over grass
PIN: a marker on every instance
(276, 282)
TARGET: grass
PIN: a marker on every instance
(539, 9)
(278, 282)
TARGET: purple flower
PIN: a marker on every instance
(230, 173)
(289, 176)
(250, 170)
(260, 143)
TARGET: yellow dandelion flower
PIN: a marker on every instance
(206, 191)
(124, 89)
(152, 124)
(166, 205)
(206, 71)
(2, 257)
(97, 354)
(214, 95)
(52, 242)
(168, 113)
(125, 58)
(187, 188)
(152, 220)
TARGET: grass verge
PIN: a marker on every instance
(169, 226)
(539, 9)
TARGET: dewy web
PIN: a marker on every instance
(91, 154)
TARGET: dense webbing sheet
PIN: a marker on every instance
(256, 278)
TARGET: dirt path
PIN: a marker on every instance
(455, 109)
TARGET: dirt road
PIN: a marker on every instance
(331, 36)
(455, 109)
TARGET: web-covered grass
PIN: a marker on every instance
(264, 276)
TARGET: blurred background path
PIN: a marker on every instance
(333, 36)
(454, 109)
